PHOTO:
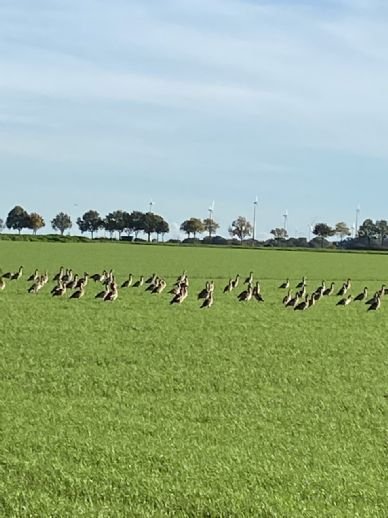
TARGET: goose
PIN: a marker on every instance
(128, 282)
(151, 279)
(34, 276)
(287, 298)
(139, 283)
(68, 276)
(246, 295)
(342, 291)
(98, 277)
(17, 275)
(229, 286)
(329, 291)
(2, 284)
(60, 274)
(285, 285)
(373, 299)
(302, 292)
(345, 301)
(101, 294)
(79, 293)
(312, 300)
(256, 293)
(293, 301)
(160, 286)
(236, 281)
(181, 296)
(301, 306)
(153, 284)
(362, 296)
(84, 280)
(71, 285)
(59, 290)
(208, 302)
(36, 286)
(204, 292)
(302, 283)
(112, 294)
(376, 304)
(249, 279)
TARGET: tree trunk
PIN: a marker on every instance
(61, 231)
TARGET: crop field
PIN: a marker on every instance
(141, 408)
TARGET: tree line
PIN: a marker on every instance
(132, 223)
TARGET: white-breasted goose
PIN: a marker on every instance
(17, 275)
(151, 279)
(139, 283)
(79, 293)
(302, 283)
(112, 294)
(376, 304)
(128, 282)
(257, 292)
(362, 296)
(329, 291)
(246, 295)
(235, 281)
(34, 276)
(301, 306)
(285, 285)
(287, 298)
(249, 279)
(181, 296)
(345, 301)
(208, 302)
(229, 287)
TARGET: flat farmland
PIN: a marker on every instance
(142, 408)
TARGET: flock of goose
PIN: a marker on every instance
(66, 281)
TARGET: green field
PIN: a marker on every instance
(140, 408)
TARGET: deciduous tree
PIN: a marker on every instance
(368, 230)
(90, 222)
(210, 226)
(240, 228)
(17, 219)
(323, 231)
(36, 222)
(342, 230)
(192, 226)
(279, 233)
(61, 222)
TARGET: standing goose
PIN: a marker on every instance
(139, 283)
(79, 293)
(208, 302)
(302, 283)
(59, 290)
(373, 299)
(84, 280)
(160, 286)
(181, 296)
(36, 286)
(112, 294)
(249, 279)
(287, 298)
(362, 296)
(301, 306)
(151, 279)
(256, 292)
(152, 285)
(376, 304)
(285, 285)
(204, 292)
(229, 287)
(128, 282)
(329, 291)
(2, 284)
(294, 301)
(33, 277)
(59, 275)
(246, 295)
(17, 275)
(342, 291)
(103, 293)
(71, 285)
(345, 301)
(236, 281)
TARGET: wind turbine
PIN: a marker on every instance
(285, 217)
(152, 203)
(254, 219)
(211, 210)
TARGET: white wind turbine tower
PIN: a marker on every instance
(285, 218)
(151, 204)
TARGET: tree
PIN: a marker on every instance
(382, 229)
(90, 222)
(134, 222)
(61, 222)
(17, 219)
(211, 226)
(162, 227)
(368, 230)
(115, 222)
(279, 233)
(36, 222)
(192, 226)
(342, 230)
(323, 230)
(240, 228)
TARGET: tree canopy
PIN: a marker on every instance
(17, 219)
(323, 231)
(240, 228)
(61, 222)
(210, 226)
(279, 233)
(192, 226)
(36, 222)
(90, 222)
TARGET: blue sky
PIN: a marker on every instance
(107, 105)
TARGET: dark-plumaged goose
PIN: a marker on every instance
(98, 277)
(83, 281)
(112, 293)
(294, 301)
(329, 291)
(181, 296)
(301, 306)
(71, 285)
(152, 285)
(17, 275)
(208, 302)
(34, 276)
(375, 304)
(229, 287)
(139, 283)
(58, 276)
(235, 281)
(287, 298)
(246, 295)
(79, 293)
(342, 291)
(285, 285)
(59, 290)
(302, 283)
(302, 292)
(36, 286)
(249, 279)
(345, 301)
(257, 292)
(101, 294)
(204, 292)
(128, 282)
(362, 296)
(151, 279)
(160, 286)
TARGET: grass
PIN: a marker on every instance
(139, 408)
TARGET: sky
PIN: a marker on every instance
(109, 105)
